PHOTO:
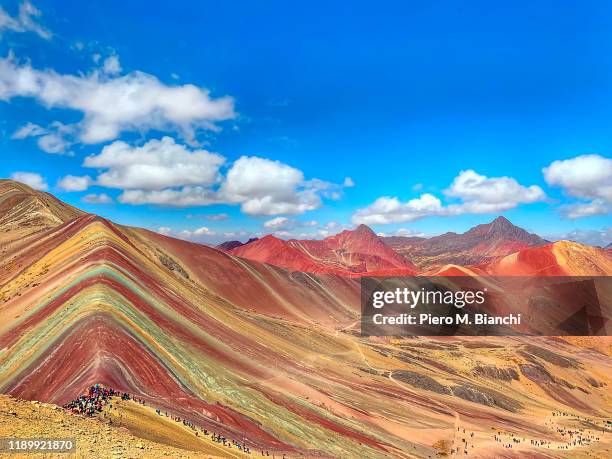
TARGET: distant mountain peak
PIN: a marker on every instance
(501, 220)
(229, 245)
(502, 228)
(362, 232)
(363, 229)
(350, 252)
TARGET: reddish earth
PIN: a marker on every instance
(562, 258)
(354, 252)
(480, 244)
(272, 356)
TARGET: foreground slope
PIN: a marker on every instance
(25, 419)
(270, 357)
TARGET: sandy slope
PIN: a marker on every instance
(96, 437)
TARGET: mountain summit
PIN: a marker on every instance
(479, 244)
(351, 252)
(502, 229)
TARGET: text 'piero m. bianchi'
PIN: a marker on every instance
(491, 305)
(428, 299)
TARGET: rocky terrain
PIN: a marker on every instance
(477, 245)
(355, 252)
(267, 356)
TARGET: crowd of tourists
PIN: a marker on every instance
(92, 402)
(98, 396)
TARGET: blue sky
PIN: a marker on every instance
(423, 117)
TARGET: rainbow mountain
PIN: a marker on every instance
(260, 353)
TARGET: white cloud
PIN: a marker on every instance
(32, 179)
(266, 187)
(24, 22)
(348, 182)
(391, 210)
(156, 165)
(203, 234)
(50, 140)
(112, 104)
(188, 196)
(29, 130)
(75, 183)
(279, 223)
(478, 194)
(587, 177)
(284, 224)
(163, 172)
(588, 209)
(111, 65)
(101, 198)
(482, 194)
(203, 231)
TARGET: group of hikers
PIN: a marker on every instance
(92, 402)
(99, 396)
(465, 446)
(214, 437)
(573, 437)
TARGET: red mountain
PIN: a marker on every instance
(355, 252)
(562, 258)
(480, 244)
(229, 245)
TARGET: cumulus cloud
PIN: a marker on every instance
(279, 223)
(478, 195)
(286, 224)
(111, 65)
(163, 172)
(25, 21)
(155, 165)
(50, 140)
(586, 177)
(75, 183)
(112, 103)
(188, 196)
(32, 179)
(101, 198)
(29, 130)
(265, 187)
(391, 210)
(202, 234)
(482, 194)
(588, 209)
